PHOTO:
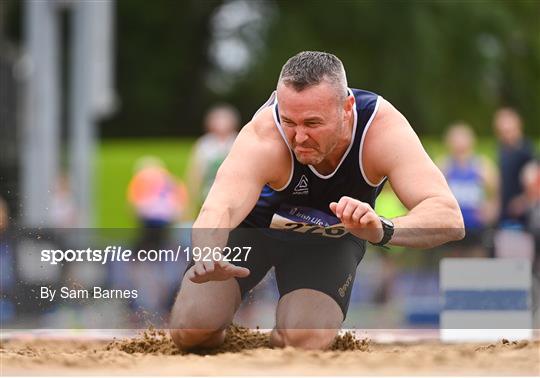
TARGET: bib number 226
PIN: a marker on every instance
(331, 231)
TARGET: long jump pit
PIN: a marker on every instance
(248, 353)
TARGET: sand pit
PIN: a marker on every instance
(248, 352)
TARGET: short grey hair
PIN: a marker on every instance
(309, 68)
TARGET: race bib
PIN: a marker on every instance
(306, 220)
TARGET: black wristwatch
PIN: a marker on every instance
(388, 231)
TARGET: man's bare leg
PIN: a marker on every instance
(202, 311)
(307, 319)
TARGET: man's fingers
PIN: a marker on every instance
(198, 269)
(354, 213)
(348, 210)
(222, 263)
(240, 271)
(190, 274)
(198, 279)
(236, 271)
(357, 214)
(195, 277)
(368, 218)
(337, 207)
(344, 207)
(221, 270)
(333, 206)
(209, 266)
(343, 201)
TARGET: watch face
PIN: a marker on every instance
(387, 222)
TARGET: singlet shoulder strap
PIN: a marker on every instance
(268, 103)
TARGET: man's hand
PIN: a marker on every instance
(358, 218)
(215, 270)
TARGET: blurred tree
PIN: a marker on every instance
(437, 61)
(162, 59)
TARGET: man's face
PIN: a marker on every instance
(460, 142)
(313, 119)
(221, 122)
(508, 127)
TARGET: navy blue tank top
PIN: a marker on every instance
(302, 205)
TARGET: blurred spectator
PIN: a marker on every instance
(514, 152)
(158, 199)
(221, 125)
(472, 179)
(528, 204)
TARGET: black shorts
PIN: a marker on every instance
(318, 263)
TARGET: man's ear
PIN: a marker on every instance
(349, 103)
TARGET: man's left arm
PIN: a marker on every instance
(392, 149)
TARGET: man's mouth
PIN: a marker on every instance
(303, 150)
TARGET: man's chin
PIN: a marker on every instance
(307, 160)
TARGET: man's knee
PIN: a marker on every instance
(191, 326)
(307, 338)
(186, 339)
(189, 329)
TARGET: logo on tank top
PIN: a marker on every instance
(302, 187)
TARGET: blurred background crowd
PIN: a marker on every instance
(178, 79)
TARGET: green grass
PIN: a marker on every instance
(115, 160)
(436, 149)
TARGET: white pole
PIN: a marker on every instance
(41, 134)
(82, 129)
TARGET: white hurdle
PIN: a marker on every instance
(485, 299)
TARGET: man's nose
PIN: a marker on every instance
(301, 136)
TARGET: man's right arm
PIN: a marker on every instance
(256, 158)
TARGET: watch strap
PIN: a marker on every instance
(388, 232)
